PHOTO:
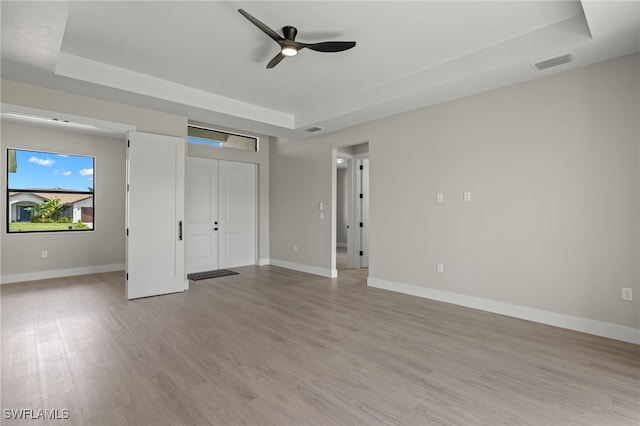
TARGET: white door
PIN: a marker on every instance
(364, 212)
(201, 244)
(237, 213)
(155, 210)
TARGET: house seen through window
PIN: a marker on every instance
(49, 192)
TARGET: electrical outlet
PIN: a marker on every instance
(44, 254)
(627, 294)
(466, 196)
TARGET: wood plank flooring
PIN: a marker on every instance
(342, 262)
(277, 347)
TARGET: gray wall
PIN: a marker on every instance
(21, 253)
(103, 247)
(145, 121)
(553, 168)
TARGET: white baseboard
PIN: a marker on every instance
(263, 262)
(589, 326)
(305, 268)
(57, 273)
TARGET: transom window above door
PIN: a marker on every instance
(217, 138)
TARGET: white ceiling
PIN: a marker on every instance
(204, 60)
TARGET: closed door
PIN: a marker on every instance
(237, 212)
(202, 215)
(24, 213)
(221, 214)
(86, 214)
(155, 209)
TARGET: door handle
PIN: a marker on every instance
(215, 229)
(180, 230)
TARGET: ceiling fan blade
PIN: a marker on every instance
(276, 60)
(268, 31)
(331, 46)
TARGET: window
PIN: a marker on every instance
(217, 138)
(49, 192)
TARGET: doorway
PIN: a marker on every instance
(344, 167)
(352, 207)
(220, 214)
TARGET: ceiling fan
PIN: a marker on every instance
(289, 46)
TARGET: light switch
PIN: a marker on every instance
(320, 206)
(440, 197)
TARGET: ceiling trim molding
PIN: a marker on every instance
(84, 69)
(59, 119)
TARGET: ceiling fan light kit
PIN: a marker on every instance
(289, 51)
(288, 44)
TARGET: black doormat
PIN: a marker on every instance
(210, 274)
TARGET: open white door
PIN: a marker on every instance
(237, 213)
(363, 183)
(155, 210)
(202, 215)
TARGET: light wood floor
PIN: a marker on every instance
(341, 258)
(276, 347)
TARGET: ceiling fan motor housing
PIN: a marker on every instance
(289, 32)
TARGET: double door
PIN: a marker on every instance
(220, 229)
